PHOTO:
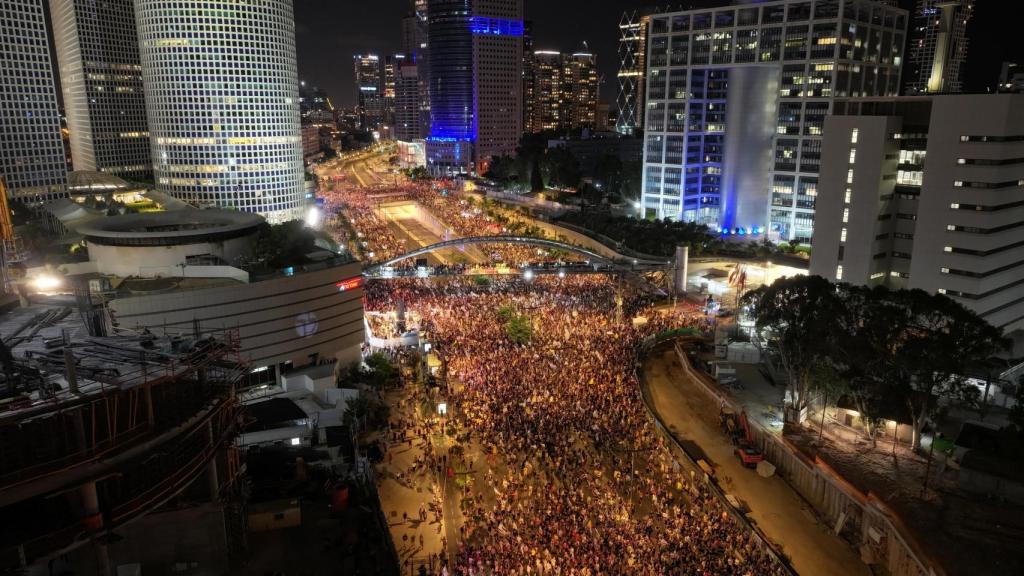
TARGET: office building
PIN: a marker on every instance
(632, 72)
(101, 78)
(416, 47)
(391, 65)
(927, 192)
(225, 135)
(580, 85)
(475, 82)
(32, 158)
(528, 76)
(545, 89)
(369, 90)
(563, 90)
(736, 101)
(938, 46)
(407, 126)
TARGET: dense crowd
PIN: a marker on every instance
(576, 480)
(453, 212)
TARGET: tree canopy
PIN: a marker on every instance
(889, 351)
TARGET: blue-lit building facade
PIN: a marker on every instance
(476, 53)
(736, 101)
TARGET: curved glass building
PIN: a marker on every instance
(222, 103)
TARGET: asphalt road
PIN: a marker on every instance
(692, 417)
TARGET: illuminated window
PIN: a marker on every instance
(846, 215)
(849, 176)
(853, 155)
(849, 194)
(853, 135)
(839, 272)
(842, 235)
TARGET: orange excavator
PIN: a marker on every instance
(749, 455)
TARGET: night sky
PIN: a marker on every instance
(329, 32)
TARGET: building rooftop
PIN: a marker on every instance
(173, 227)
(38, 379)
(89, 182)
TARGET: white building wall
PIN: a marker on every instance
(970, 228)
(278, 320)
(848, 225)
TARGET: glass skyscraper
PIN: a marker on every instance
(736, 101)
(31, 151)
(476, 60)
(222, 99)
(101, 77)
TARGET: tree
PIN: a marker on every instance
(862, 357)
(519, 329)
(536, 179)
(380, 371)
(564, 167)
(502, 168)
(608, 173)
(365, 412)
(937, 341)
(795, 316)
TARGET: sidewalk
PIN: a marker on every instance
(692, 417)
(403, 493)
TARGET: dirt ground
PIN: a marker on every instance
(964, 533)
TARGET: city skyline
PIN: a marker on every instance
(328, 33)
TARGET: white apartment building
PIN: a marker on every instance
(927, 192)
(222, 100)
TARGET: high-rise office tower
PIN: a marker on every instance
(392, 63)
(528, 76)
(632, 72)
(369, 90)
(414, 47)
(580, 85)
(938, 46)
(101, 77)
(31, 151)
(475, 82)
(407, 103)
(222, 100)
(563, 90)
(546, 91)
(736, 101)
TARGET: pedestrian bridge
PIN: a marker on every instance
(594, 259)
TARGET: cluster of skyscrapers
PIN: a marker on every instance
(202, 97)
(470, 84)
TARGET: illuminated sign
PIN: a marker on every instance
(350, 284)
(495, 26)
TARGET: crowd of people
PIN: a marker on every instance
(574, 479)
(370, 235)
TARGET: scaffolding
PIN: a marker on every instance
(102, 430)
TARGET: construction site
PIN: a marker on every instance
(103, 434)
